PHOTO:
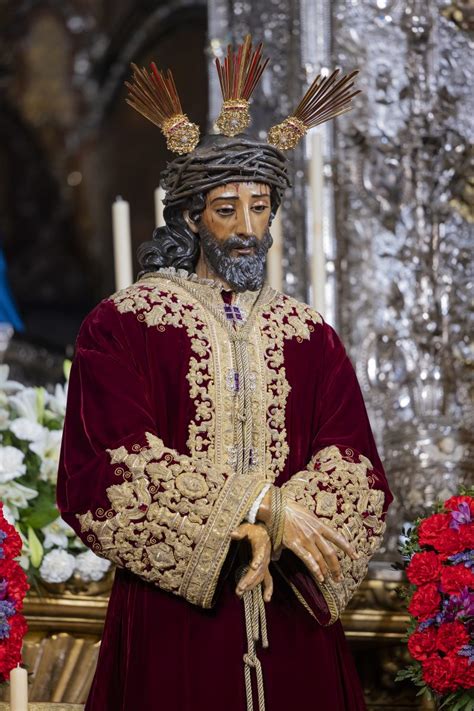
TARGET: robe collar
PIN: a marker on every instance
(212, 290)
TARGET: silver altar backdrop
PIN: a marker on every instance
(398, 213)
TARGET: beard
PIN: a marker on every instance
(243, 273)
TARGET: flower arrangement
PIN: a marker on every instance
(31, 423)
(13, 588)
(438, 554)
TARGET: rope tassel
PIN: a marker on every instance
(256, 630)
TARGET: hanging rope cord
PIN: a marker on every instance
(256, 630)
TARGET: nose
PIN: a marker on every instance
(244, 224)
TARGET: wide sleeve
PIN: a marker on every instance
(344, 483)
(146, 507)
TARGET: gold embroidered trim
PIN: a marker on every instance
(287, 319)
(170, 523)
(336, 486)
(200, 579)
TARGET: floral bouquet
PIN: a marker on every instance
(13, 587)
(438, 554)
(31, 423)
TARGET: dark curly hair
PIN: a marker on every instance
(173, 245)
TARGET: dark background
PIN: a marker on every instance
(69, 144)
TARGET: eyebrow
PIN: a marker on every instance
(236, 197)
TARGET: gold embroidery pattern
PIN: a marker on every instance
(231, 344)
(157, 306)
(170, 523)
(287, 319)
(336, 486)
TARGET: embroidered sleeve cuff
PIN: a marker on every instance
(170, 518)
(336, 486)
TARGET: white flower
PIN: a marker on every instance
(26, 429)
(48, 449)
(16, 496)
(27, 404)
(24, 557)
(90, 567)
(11, 463)
(57, 566)
(9, 514)
(57, 402)
(8, 386)
(4, 418)
(56, 534)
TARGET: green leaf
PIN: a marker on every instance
(36, 549)
(40, 402)
(42, 516)
(67, 368)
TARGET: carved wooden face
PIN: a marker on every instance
(236, 209)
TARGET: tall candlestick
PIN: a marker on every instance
(159, 207)
(122, 243)
(318, 259)
(18, 689)
(275, 254)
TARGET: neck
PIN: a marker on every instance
(205, 271)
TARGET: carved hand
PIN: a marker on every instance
(258, 572)
(310, 539)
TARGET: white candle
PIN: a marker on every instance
(318, 259)
(18, 689)
(275, 254)
(159, 207)
(122, 243)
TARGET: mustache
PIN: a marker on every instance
(234, 242)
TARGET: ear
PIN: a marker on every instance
(190, 222)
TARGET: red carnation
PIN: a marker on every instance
(18, 629)
(433, 528)
(439, 673)
(463, 672)
(456, 577)
(12, 544)
(423, 567)
(451, 637)
(17, 582)
(425, 601)
(453, 503)
(10, 649)
(466, 536)
(422, 645)
(450, 542)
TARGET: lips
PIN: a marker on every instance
(244, 250)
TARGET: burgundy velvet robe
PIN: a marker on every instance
(154, 359)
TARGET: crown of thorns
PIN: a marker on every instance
(153, 94)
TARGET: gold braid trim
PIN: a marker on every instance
(337, 487)
(200, 579)
(170, 518)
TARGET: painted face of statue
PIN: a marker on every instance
(234, 233)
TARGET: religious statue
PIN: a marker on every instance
(216, 445)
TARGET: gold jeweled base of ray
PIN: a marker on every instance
(182, 136)
(286, 135)
(234, 117)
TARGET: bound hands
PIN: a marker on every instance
(314, 542)
(258, 572)
(303, 533)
